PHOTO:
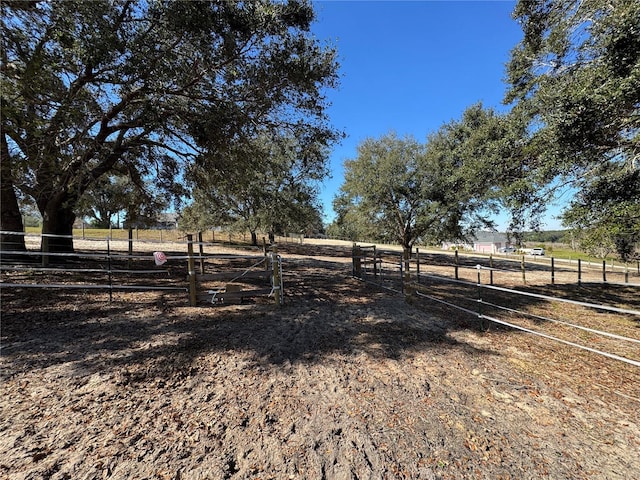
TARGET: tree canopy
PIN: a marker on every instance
(576, 74)
(398, 190)
(149, 88)
(274, 190)
(605, 216)
(227, 99)
(117, 195)
(573, 88)
(574, 79)
(382, 187)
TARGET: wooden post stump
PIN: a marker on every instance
(193, 294)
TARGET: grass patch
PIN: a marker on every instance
(150, 235)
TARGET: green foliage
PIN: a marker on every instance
(349, 224)
(32, 221)
(147, 87)
(605, 215)
(548, 236)
(398, 190)
(275, 194)
(383, 189)
(113, 194)
(574, 79)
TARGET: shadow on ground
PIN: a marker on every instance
(327, 312)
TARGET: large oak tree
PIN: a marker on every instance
(148, 87)
(575, 78)
(401, 191)
(274, 190)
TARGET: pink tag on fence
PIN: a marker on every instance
(160, 258)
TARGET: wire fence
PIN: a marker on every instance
(472, 289)
(97, 265)
(532, 269)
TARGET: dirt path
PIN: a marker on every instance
(343, 382)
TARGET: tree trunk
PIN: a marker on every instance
(10, 217)
(11, 220)
(254, 238)
(57, 219)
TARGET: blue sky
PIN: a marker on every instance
(410, 67)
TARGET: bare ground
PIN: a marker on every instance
(346, 381)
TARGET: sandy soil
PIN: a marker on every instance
(346, 381)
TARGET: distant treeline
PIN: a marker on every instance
(551, 236)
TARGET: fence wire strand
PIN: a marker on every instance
(482, 316)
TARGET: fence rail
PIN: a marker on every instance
(411, 275)
(113, 271)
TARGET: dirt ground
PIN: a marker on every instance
(345, 381)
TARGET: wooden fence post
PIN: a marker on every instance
(265, 251)
(456, 264)
(417, 265)
(579, 271)
(357, 261)
(490, 269)
(522, 267)
(130, 248)
(553, 272)
(406, 281)
(375, 263)
(192, 272)
(277, 281)
(604, 270)
(201, 250)
(44, 248)
(626, 273)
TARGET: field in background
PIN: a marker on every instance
(555, 250)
